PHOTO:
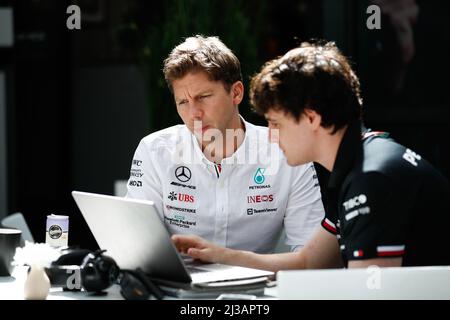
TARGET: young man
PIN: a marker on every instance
(385, 204)
(218, 176)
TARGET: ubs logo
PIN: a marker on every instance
(181, 197)
(172, 196)
(183, 174)
(55, 231)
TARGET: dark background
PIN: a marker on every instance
(79, 101)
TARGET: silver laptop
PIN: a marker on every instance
(133, 234)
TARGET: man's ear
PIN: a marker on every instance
(313, 118)
(237, 91)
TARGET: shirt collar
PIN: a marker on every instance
(349, 151)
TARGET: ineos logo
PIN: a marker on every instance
(183, 174)
(260, 198)
(55, 231)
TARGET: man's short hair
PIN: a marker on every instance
(207, 54)
(316, 76)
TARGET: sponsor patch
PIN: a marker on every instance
(251, 211)
(357, 212)
(259, 187)
(181, 197)
(136, 173)
(354, 202)
(173, 183)
(186, 224)
(260, 198)
(135, 183)
(183, 174)
(169, 207)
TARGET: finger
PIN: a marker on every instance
(178, 244)
(188, 241)
(198, 254)
(184, 242)
(175, 239)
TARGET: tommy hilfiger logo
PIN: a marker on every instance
(358, 253)
(391, 251)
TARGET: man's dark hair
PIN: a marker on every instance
(208, 54)
(316, 76)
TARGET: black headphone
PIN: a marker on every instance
(135, 285)
(99, 272)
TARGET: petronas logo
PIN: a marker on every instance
(259, 176)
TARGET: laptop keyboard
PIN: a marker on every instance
(193, 269)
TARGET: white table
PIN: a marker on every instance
(11, 288)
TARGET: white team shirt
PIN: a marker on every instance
(243, 203)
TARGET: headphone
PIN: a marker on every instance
(99, 272)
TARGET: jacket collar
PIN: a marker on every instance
(350, 150)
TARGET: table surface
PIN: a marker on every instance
(12, 288)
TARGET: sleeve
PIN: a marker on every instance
(144, 182)
(329, 222)
(304, 207)
(373, 218)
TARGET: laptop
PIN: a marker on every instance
(134, 235)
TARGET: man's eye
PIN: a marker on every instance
(205, 96)
(181, 103)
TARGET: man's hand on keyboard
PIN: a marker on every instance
(199, 248)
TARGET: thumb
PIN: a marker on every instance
(174, 239)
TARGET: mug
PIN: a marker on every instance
(9, 241)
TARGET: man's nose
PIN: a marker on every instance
(195, 111)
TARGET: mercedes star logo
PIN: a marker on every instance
(183, 174)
